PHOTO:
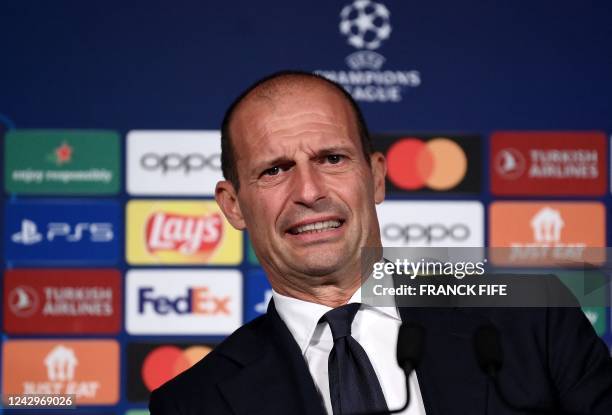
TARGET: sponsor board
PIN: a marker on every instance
(546, 233)
(431, 163)
(185, 301)
(593, 301)
(61, 162)
(62, 301)
(150, 365)
(88, 369)
(180, 232)
(548, 163)
(258, 293)
(431, 224)
(366, 25)
(173, 162)
(62, 231)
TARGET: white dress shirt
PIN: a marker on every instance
(375, 328)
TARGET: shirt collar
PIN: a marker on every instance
(302, 317)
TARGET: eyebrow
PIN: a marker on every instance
(327, 151)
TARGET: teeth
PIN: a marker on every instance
(317, 226)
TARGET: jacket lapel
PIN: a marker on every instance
(274, 377)
(449, 377)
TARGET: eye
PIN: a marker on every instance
(272, 171)
(334, 158)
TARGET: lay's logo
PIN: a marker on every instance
(185, 234)
(180, 232)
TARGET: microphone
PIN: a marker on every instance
(410, 348)
(490, 357)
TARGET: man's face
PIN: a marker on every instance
(307, 195)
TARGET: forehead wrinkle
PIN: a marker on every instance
(285, 150)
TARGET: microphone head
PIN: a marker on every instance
(488, 349)
(410, 345)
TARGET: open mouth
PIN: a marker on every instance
(316, 227)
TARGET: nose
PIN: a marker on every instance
(308, 185)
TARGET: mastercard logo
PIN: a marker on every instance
(165, 362)
(439, 164)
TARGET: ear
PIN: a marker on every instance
(379, 172)
(227, 199)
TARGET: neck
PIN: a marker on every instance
(329, 294)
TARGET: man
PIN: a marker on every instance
(302, 179)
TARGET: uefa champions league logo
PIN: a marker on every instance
(365, 24)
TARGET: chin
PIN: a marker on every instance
(322, 264)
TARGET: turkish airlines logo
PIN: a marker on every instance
(23, 301)
(182, 163)
(58, 300)
(510, 163)
(29, 235)
(185, 234)
(548, 163)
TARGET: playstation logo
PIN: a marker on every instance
(28, 235)
(263, 306)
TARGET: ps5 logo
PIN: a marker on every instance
(29, 235)
(262, 306)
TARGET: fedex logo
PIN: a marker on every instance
(197, 300)
(183, 301)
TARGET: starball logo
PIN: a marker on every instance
(180, 232)
(366, 25)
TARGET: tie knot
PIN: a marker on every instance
(340, 319)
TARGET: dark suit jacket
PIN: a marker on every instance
(551, 357)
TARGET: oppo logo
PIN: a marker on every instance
(180, 162)
(434, 232)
